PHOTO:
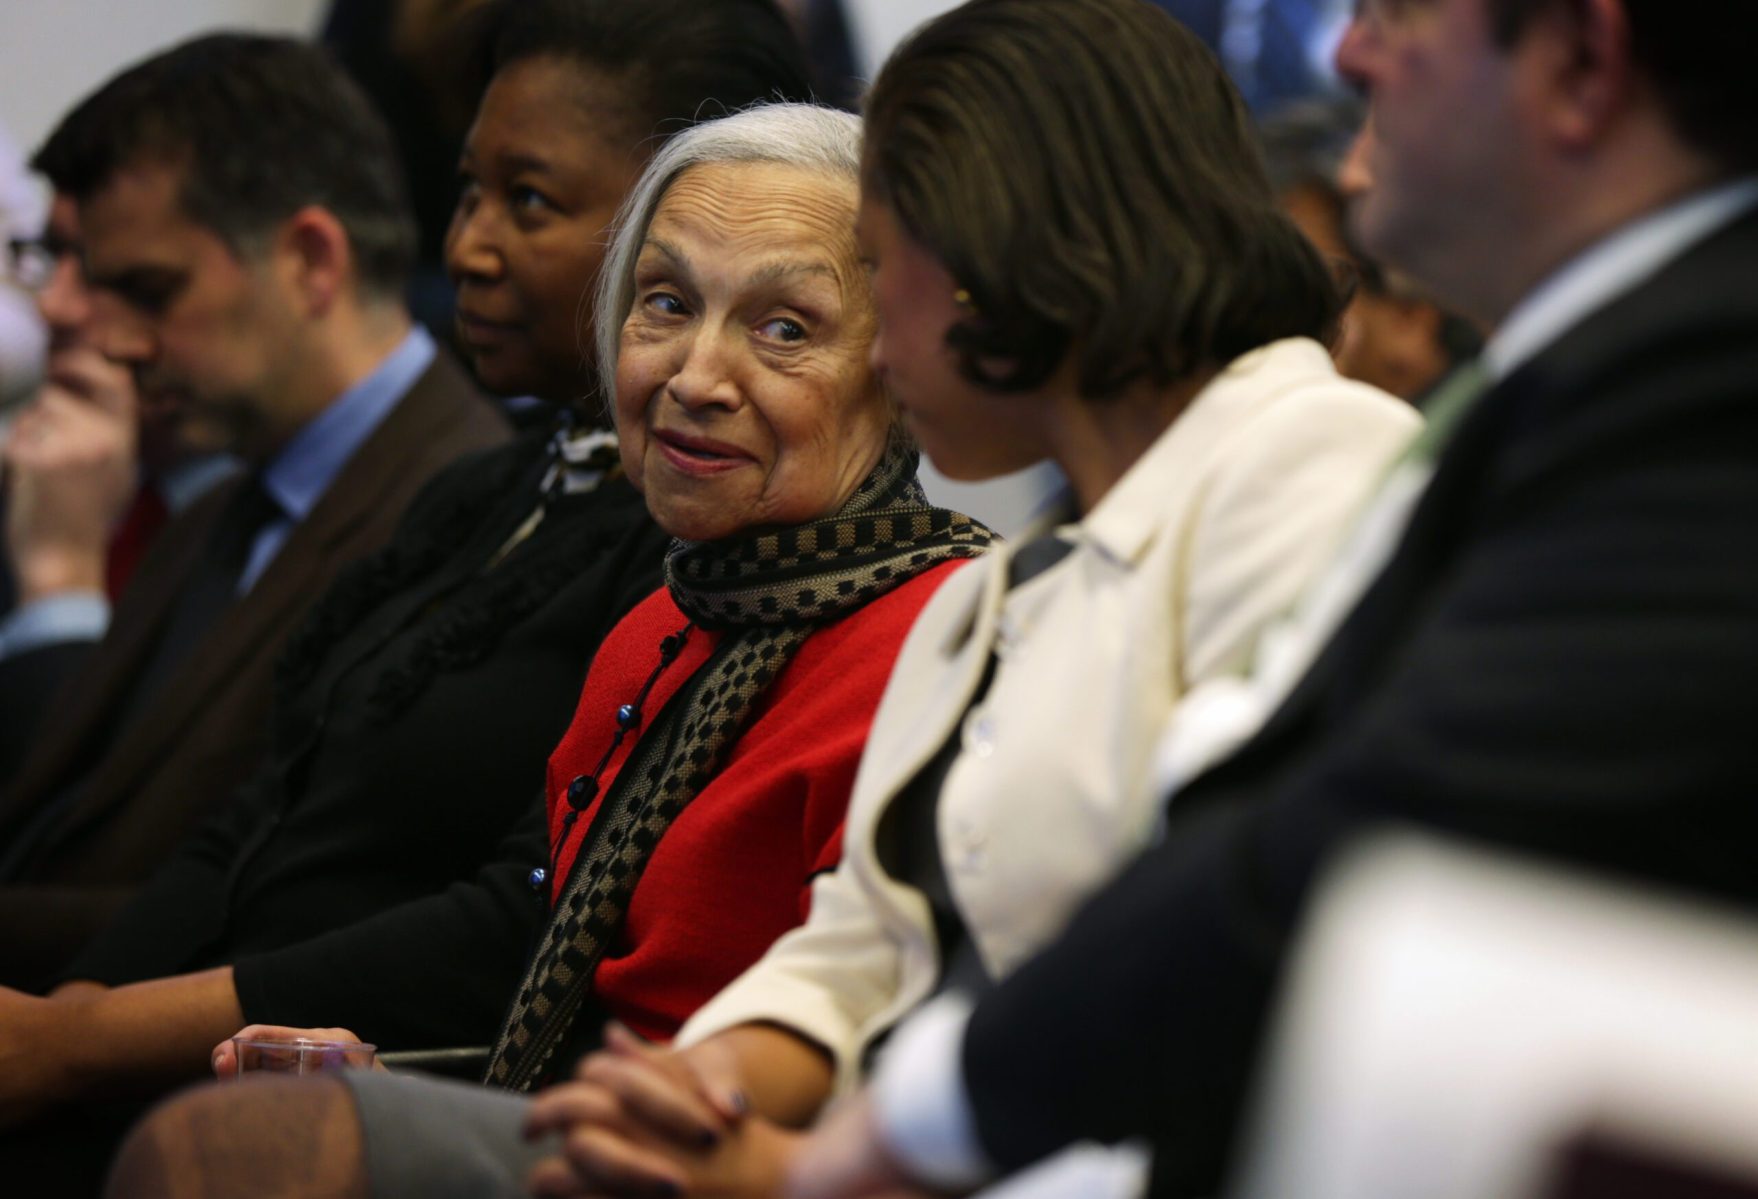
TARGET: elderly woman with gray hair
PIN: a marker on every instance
(702, 784)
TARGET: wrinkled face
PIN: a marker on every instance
(967, 431)
(1443, 167)
(743, 396)
(214, 333)
(544, 168)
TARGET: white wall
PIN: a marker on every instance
(878, 24)
(52, 52)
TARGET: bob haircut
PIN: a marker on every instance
(1087, 173)
(809, 136)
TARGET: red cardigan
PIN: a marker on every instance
(734, 870)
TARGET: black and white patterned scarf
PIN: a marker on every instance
(769, 590)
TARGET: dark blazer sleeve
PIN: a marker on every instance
(182, 909)
(27, 682)
(1576, 682)
(432, 973)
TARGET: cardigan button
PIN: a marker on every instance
(581, 791)
(628, 716)
(537, 878)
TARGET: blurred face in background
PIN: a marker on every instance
(1447, 169)
(64, 302)
(544, 168)
(214, 331)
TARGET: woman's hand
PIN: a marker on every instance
(225, 1054)
(645, 1120)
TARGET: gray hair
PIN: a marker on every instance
(809, 136)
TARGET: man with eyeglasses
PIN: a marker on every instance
(243, 245)
(92, 473)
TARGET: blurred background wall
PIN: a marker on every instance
(54, 51)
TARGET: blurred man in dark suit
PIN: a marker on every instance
(246, 242)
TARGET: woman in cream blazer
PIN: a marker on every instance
(1209, 536)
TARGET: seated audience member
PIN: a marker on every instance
(1554, 642)
(1211, 463)
(702, 785)
(93, 470)
(381, 853)
(1393, 336)
(247, 241)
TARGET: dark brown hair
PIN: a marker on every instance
(259, 127)
(674, 62)
(1086, 172)
(1700, 68)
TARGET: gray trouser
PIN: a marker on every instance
(440, 1139)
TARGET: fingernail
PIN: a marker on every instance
(739, 1102)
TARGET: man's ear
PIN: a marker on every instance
(1592, 71)
(314, 250)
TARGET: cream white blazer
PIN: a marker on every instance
(1207, 538)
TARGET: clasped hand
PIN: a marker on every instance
(642, 1120)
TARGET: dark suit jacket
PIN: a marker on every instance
(197, 738)
(1560, 657)
(25, 681)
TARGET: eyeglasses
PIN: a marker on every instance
(31, 262)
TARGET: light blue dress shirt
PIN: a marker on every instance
(298, 476)
(295, 479)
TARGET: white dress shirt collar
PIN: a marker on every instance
(1611, 267)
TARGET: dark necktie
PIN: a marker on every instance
(212, 587)
(145, 516)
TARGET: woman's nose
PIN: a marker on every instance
(472, 248)
(706, 376)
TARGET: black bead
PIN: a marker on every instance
(628, 716)
(581, 791)
(537, 878)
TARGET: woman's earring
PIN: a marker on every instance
(962, 297)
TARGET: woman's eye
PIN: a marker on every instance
(784, 328)
(528, 199)
(664, 303)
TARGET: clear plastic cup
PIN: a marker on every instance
(302, 1055)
